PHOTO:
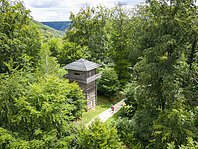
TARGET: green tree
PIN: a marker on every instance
(130, 93)
(18, 36)
(124, 126)
(120, 42)
(191, 144)
(173, 125)
(38, 113)
(55, 45)
(98, 136)
(66, 52)
(70, 52)
(89, 29)
(162, 68)
(48, 65)
(108, 85)
(164, 77)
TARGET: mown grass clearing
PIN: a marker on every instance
(102, 104)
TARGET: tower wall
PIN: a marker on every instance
(89, 89)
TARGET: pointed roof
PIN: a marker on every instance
(82, 65)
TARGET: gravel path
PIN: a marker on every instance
(108, 113)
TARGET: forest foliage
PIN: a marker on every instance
(149, 52)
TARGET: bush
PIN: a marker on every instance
(38, 114)
(108, 85)
(98, 136)
(191, 144)
(125, 130)
(130, 93)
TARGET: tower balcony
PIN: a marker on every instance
(84, 80)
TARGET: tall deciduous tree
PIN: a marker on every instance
(89, 29)
(18, 36)
(71, 51)
(37, 113)
(120, 42)
(160, 70)
(108, 85)
(165, 79)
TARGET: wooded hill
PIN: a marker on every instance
(47, 31)
(58, 25)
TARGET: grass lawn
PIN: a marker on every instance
(102, 105)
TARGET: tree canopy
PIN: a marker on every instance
(149, 53)
(19, 37)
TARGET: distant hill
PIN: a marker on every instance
(59, 25)
(48, 31)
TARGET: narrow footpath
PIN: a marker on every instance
(108, 113)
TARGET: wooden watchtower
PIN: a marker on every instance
(84, 73)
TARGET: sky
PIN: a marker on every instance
(59, 10)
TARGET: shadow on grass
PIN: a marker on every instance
(106, 102)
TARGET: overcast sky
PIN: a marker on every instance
(59, 10)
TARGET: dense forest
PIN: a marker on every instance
(149, 55)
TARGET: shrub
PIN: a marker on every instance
(131, 101)
(98, 136)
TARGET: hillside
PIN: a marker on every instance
(48, 31)
(58, 25)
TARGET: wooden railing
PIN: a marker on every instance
(87, 81)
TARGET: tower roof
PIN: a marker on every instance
(82, 65)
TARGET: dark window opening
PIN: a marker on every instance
(76, 74)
